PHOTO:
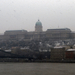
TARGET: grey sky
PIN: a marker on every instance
(23, 14)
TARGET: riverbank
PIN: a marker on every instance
(39, 61)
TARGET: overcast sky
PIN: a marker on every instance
(23, 14)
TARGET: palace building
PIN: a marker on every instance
(38, 34)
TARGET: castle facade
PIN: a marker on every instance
(38, 34)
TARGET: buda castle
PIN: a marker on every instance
(38, 34)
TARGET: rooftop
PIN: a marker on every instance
(38, 23)
(71, 50)
(16, 30)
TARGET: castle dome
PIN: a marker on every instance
(38, 23)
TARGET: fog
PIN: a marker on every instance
(23, 14)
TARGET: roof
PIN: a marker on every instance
(61, 29)
(38, 23)
(15, 30)
(71, 50)
(59, 47)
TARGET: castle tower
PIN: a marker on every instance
(38, 26)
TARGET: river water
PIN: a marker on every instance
(37, 69)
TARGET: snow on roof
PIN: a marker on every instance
(71, 50)
(74, 45)
(58, 47)
(7, 50)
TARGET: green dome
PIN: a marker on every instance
(38, 23)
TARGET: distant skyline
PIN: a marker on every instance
(23, 14)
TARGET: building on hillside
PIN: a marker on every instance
(38, 34)
(57, 53)
(62, 33)
(70, 54)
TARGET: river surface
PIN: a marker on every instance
(37, 69)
